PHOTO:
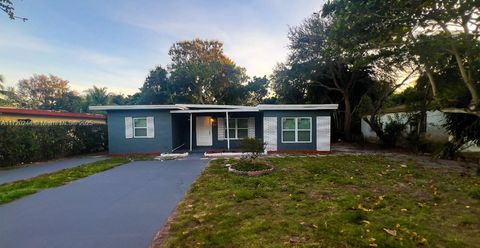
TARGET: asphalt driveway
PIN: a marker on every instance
(122, 207)
(39, 168)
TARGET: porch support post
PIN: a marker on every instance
(191, 131)
(228, 131)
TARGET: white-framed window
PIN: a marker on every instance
(140, 127)
(296, 129)
(238, 128)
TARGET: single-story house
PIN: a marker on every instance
(47, 116)
(168, 128)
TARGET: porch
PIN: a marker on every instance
(205, 130)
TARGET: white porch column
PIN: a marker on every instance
(191, 131)
(228, 131)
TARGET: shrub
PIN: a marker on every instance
(25, 143)
(252, 145)
(392, 133)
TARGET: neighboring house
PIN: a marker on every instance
(167, 128)
(46, 116)
(431, 126)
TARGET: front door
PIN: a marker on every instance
(204, 131)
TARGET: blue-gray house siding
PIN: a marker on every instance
(295, 113)
(119, 144)
(172, 130)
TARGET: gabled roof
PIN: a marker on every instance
(210, 108)
(38, 112)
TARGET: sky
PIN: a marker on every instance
(115, 43)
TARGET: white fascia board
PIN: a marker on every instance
(214, 110)
(132, 107)
(211, 106)
(297, 106)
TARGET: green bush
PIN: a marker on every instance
(392, 133)
(252, 145)
(26, 143)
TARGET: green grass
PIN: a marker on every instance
(249, 165)
(333, 201)
(18, 189)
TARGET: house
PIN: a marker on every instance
(47, 116)
(169, 128)
(430, 125)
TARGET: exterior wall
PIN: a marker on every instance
(36, 119)
(222, 144)
(296, 113)
(435, 131)
(118, 144)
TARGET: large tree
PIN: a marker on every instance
(428, 33)
(202, 73)
(319, 65)
(157, 88)
(42, 91)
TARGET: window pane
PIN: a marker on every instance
(140, 132)
(231, 123)
(288, 135)
(303, 135)
(288, 123)
(303, 123)
(232, 134)
(141, 122)
(242, 123)
(242, 133)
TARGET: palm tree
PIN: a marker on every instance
(98, 96)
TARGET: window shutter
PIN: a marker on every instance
(323, 133)
(128, 127)
(221, 128)
(150, 127)
(251, 127)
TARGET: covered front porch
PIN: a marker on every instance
(205, 130)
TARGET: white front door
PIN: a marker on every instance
(204, 131)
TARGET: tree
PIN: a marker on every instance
(257, 90)
(428, 33)
(321, 63)
(43, 92)
(7, 7)
(97, 96)
(201, 73)
(2, 88)
(157, 88)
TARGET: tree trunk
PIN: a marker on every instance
(347, 124)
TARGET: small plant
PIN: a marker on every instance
(392, 133)
(254, 146)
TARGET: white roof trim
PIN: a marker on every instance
(211, 106)
(132, 107)
(246, 109)
(297, 106)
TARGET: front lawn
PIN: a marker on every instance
(333, 201)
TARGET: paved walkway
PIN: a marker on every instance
(40, 168)
(121, 207)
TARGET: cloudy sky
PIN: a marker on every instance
(114, 43)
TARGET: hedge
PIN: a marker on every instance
(26, 143)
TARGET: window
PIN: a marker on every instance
(140, 127)
(296, 130)
(238, 128)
